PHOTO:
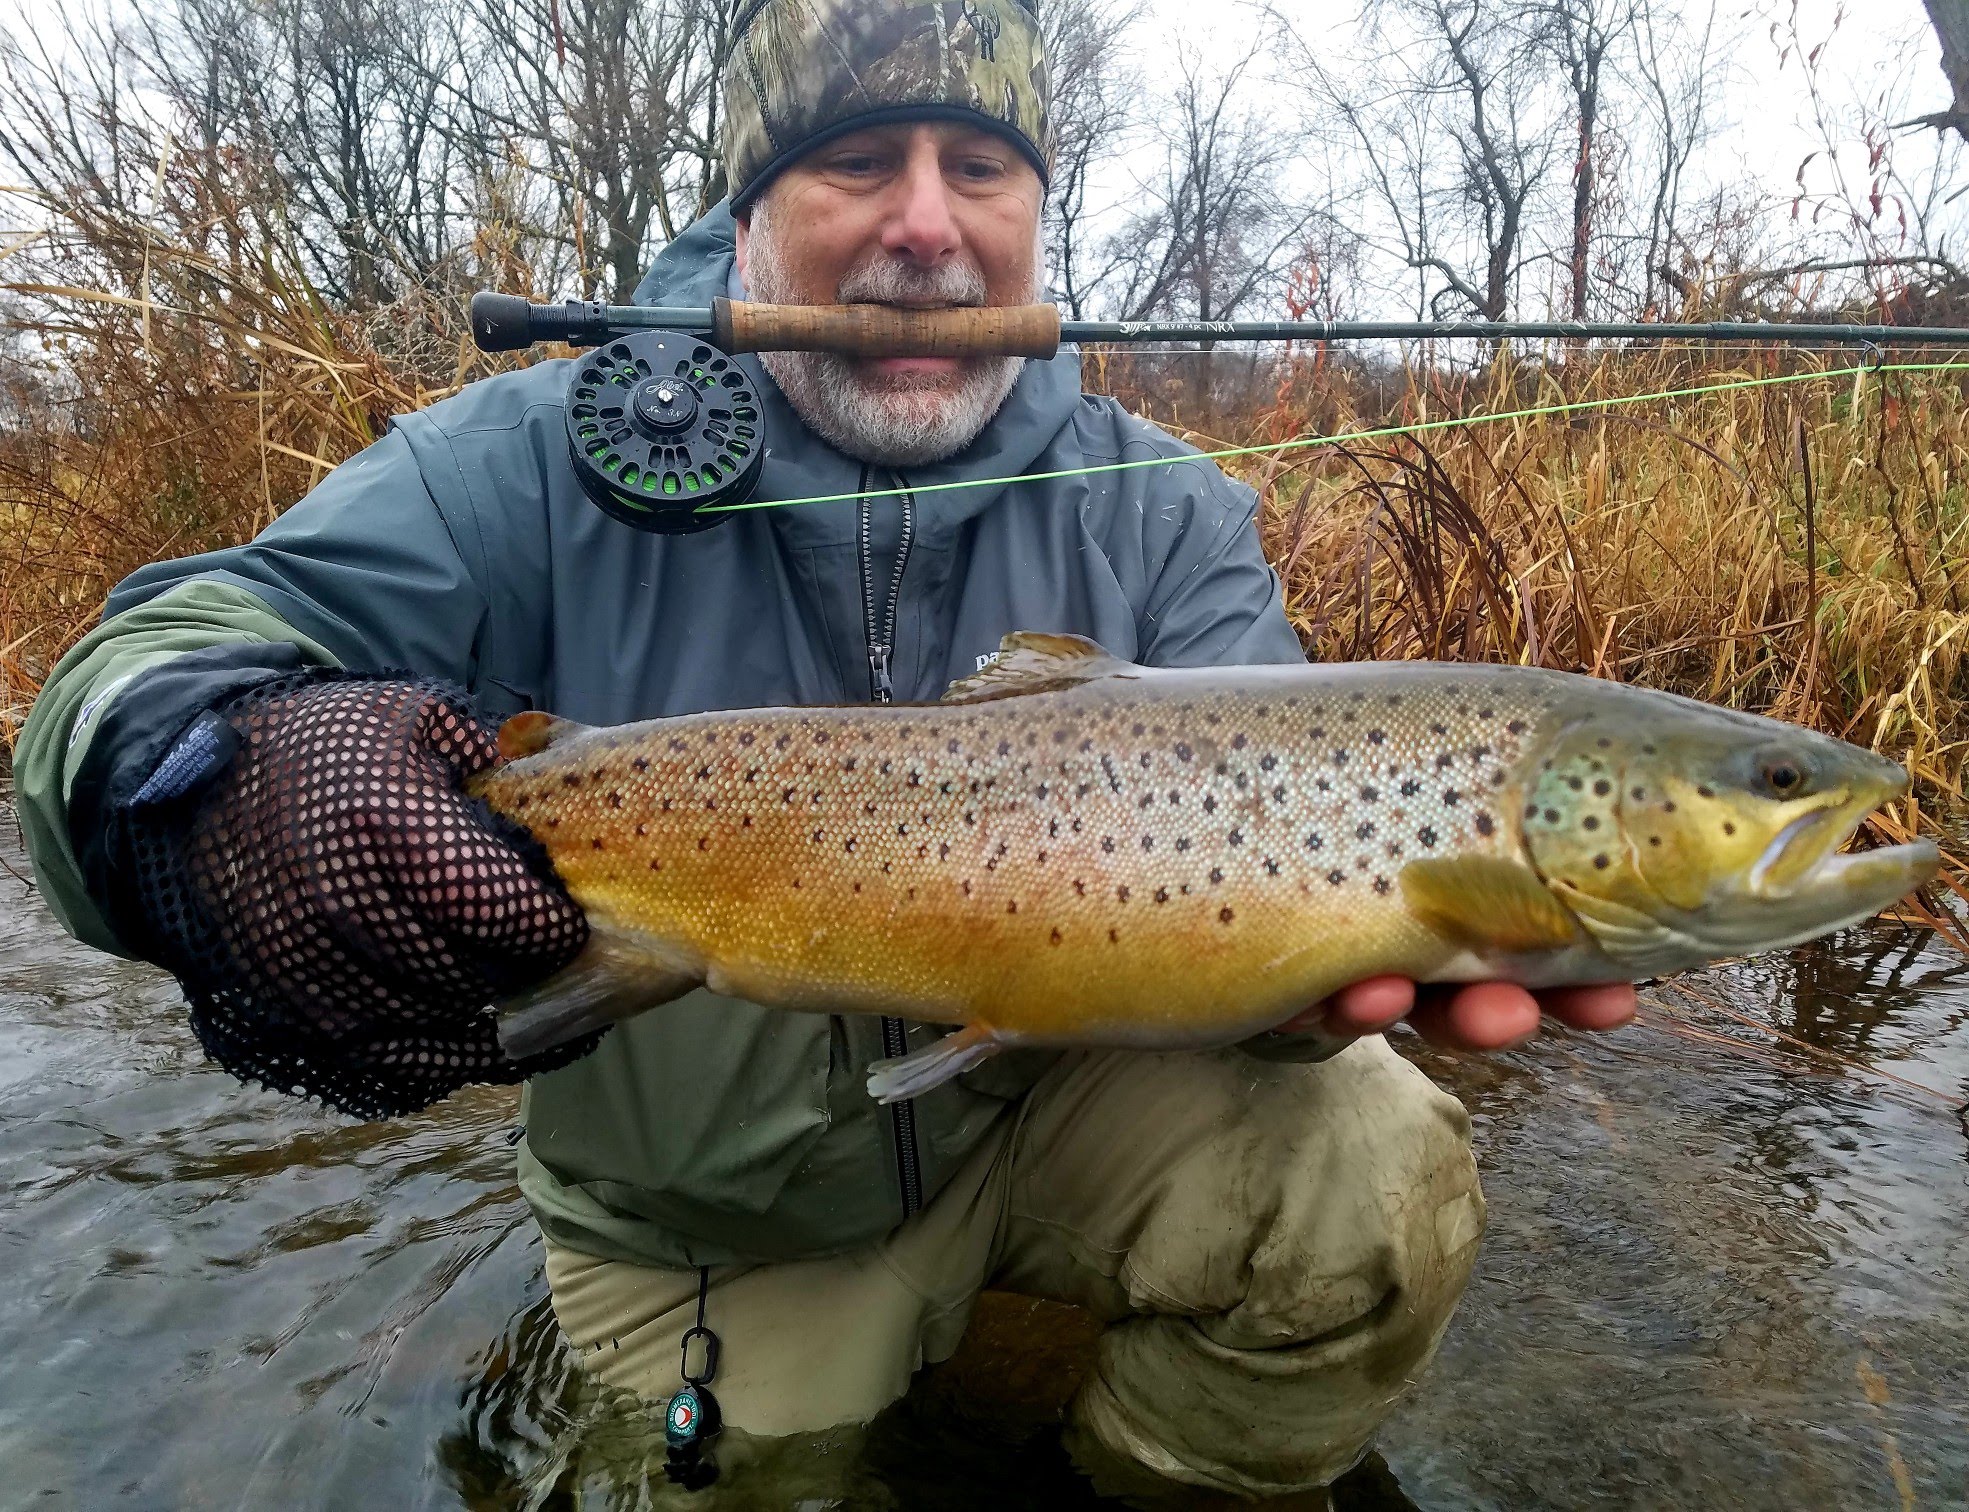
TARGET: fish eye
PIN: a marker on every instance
(1783, 776)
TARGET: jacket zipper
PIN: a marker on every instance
(880, 625)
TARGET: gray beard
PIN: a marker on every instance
(902, 421)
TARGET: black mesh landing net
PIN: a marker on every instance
(339, 914)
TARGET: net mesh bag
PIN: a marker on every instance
(339, 913)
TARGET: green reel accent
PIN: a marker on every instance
(661, 426)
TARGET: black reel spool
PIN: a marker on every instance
(663, 428)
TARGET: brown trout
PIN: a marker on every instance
(1072, 850)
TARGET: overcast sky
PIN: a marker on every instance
(1879, 61)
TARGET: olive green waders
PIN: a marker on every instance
(1275, 1250)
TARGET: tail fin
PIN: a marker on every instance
(616, 976)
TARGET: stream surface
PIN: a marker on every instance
(1715, 1275)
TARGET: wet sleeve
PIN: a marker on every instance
(362, 573)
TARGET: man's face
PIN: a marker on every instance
(924, 215)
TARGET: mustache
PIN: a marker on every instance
(892, 280)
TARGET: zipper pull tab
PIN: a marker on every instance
(878, 671)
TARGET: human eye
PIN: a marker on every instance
(980, 169)
(857, 162)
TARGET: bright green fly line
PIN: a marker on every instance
(1380, 432)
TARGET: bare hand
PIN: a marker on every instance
(1469, 1016)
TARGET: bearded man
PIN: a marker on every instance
(1274, 1235)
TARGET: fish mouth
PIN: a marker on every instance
(1807, 874)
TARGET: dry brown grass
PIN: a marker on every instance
(1797, 550)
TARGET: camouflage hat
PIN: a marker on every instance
(802, 72)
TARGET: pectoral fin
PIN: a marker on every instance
(916, 1073)
(1487, 904)
(617, 975)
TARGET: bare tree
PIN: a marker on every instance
(1446, 114)
(1950, 18)
(1218, 212)
(1093, 87)
(1583, 35)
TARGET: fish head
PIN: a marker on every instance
(1678, 833)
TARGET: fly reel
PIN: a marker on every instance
(662, 429)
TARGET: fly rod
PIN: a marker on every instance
(667, 433)
(506, 322)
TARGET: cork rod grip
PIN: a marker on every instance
(884, 331)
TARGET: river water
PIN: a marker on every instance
(1715, 1275)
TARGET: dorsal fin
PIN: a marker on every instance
(531, 733)
(1033, 661)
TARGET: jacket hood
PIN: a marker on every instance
(700, 265)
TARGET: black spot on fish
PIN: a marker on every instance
(1183, 844)
(1589, 822)
(1603, 743)
(1551, 816)
(641, 763)
(1148, 842)
(1318, 732)
(1516, 727)
(1705, 792)
(1438, 729)
(655, 864)
(1056, 936)
(1452, 797)
(1271, 867)
(1376, 737)
(1381, 886)
(1339, 758)
(1364, 832)
(1162, 895)
(704, 842)
(1600, 863)
(1370, 794)
(1224, 915)
(1336, 877)
(1668, 807)
(1485, 824)
(596, 842)
(1575, 784)
(746, 737)
(1107, 844)
(1235, 837)
(615, 800)
(1209, 803)
(1427, 835)
(1216, 875)
(1137, 729)
(1183, 752)
(572, 779)
(1114, 938)
(1729, 828)
(1314, 841)
(857, 887)
(1410, 787)
(1121, 893)
(1267, 762)
(1654, 839)
(1443, 761)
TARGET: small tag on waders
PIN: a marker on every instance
(692, 1419)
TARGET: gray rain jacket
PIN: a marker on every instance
(461, 546)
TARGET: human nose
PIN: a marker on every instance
(922, 226)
